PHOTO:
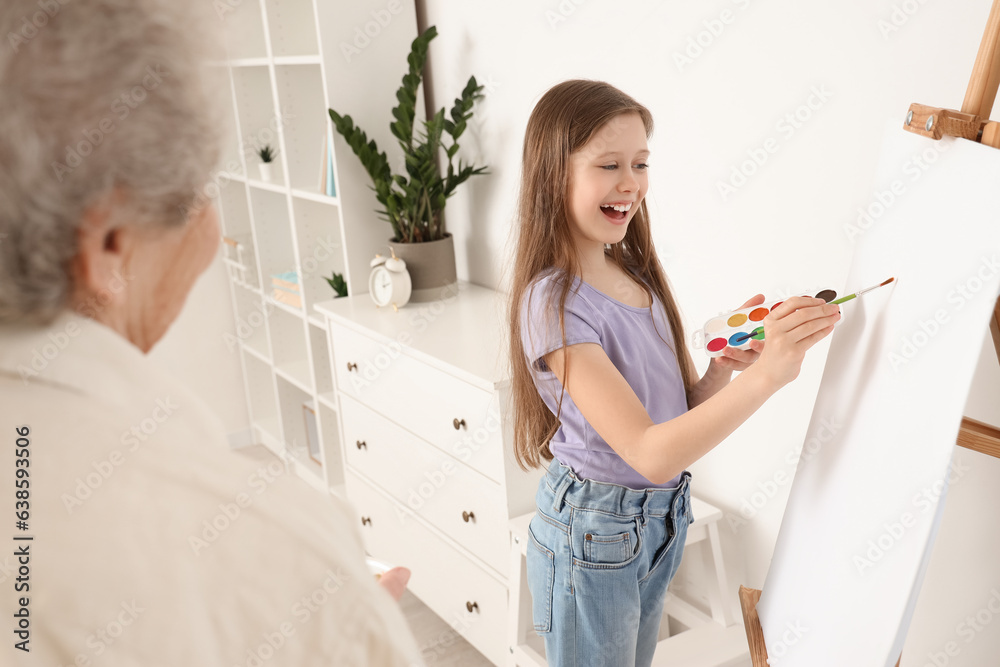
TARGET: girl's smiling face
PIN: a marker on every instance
(608, 180)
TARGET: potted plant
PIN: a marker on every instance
(338, 284)
(413, 202)
(267, 155)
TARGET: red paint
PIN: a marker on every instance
(716, 344)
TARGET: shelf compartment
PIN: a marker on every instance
(234, 213)
(274, 235)
(262, 399)
(238, 246)
(300, 427)
(258, 119)
(288, 345)
(244, 30)
(329, 428)
(322, 370)
(238, 256)
(317, 228)
(251, 321)
(292, 28)
(300, 98)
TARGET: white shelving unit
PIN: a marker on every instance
(440, 407)
(287, 66)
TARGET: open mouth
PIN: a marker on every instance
(616, 213)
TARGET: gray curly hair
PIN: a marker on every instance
(97, 97)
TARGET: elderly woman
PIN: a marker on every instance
(135, 537)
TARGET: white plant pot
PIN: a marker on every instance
(265, 171)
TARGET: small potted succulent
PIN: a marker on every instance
(414, 201)
(338, 284)
(267, 155)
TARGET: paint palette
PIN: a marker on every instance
(739, 327)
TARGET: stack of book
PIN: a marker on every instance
(286, 289)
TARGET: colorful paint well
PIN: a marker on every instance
(717, 345)
(740, 327)
(827, 295)
(718, 324)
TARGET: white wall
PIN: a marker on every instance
(196, 352)
(785, 230)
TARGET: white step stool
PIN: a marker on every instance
(711, 640)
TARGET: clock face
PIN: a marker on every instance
(380, 286)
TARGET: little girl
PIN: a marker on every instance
(604, 386)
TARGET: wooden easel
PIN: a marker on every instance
(972, 123)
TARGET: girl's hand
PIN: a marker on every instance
(733, 359)
(790, 330)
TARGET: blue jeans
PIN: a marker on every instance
(600, 558)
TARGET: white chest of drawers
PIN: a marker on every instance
(428, 464)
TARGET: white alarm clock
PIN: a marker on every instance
(389, 282)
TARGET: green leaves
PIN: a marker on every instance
(404, 114)
(338, 284)
(266, 153)
(413, 202)
(461, 113)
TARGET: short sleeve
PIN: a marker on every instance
(540, 332)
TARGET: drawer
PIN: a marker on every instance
(465, 596)
(459, 501)
(451, 414)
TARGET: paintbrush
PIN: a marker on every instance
(860, 292)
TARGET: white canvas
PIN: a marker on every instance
(867, 496)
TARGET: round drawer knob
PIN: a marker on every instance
(351, 366)
(361, 443)
(468, 516)
(365, 521)
(458, 423)
(472, 606)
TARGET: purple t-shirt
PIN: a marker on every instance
(635, 348)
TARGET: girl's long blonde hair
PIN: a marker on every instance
(566, 118)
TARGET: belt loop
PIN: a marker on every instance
(560, 493)
(687, 498)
